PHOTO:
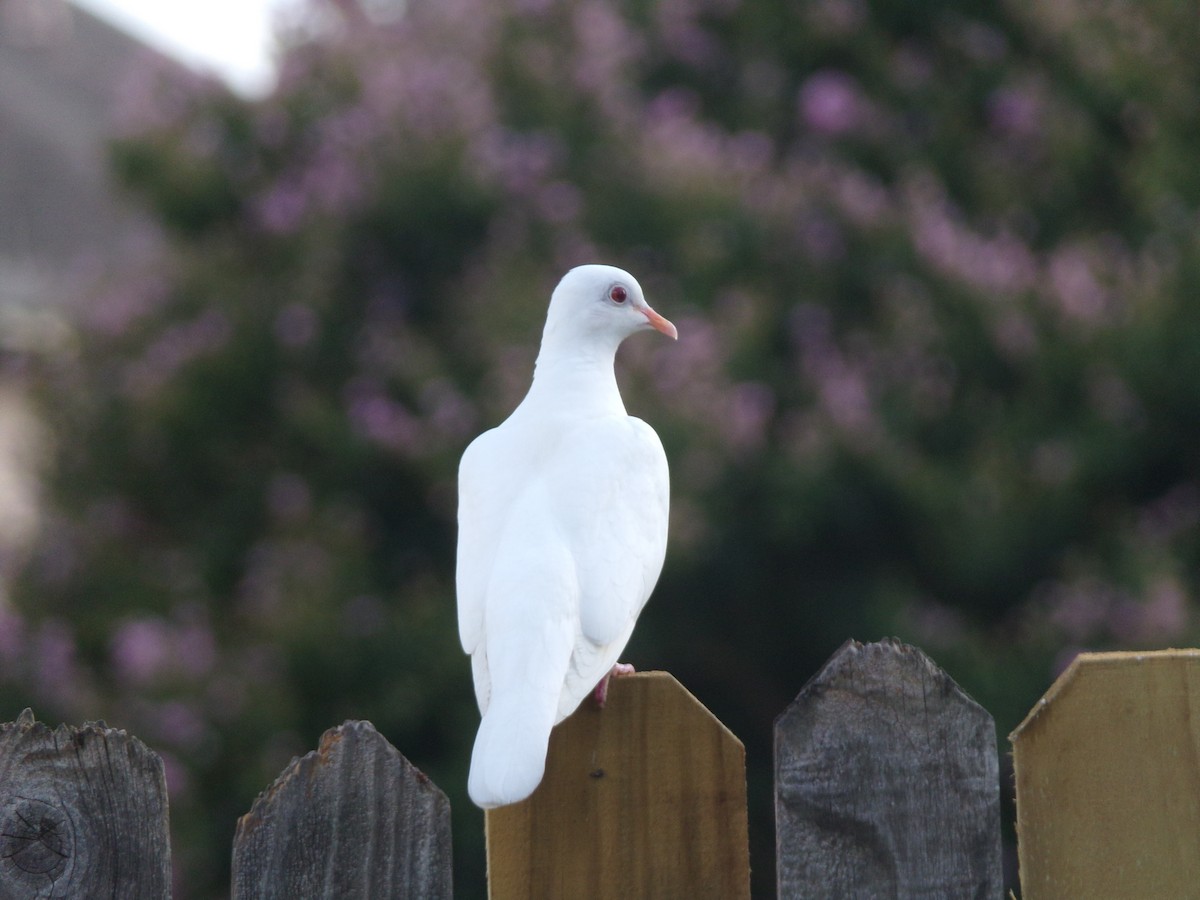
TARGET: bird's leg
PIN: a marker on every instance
(601, 692)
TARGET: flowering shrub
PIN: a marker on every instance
(933, 271)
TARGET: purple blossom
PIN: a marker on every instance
(1176, 512)
(1000, 264)
(684, 37)
(281, 209)
(385, 422)
(179, 785)
(1089, 609)
(749, 152)
(695, 365)
(1074, 283)
(609, 45)
(1015, 112)
(333, 182)
(837, 17)
(830, 102)
(115, 308)
(844, 395)
(559, 202)
(174, 348)
(180, 724)
(677, 144)
(445, 95)
(1166, 612)
(861, 197)
(673, 103)
(520, 162)
(1080, 609)
(141, 649)
(841, 384)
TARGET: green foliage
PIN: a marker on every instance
(932, 267)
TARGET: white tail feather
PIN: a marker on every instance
(509, 756)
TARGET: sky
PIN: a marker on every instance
(231, 38)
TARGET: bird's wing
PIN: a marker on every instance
(610, 488)
(484, 498)
(529, 633)
(518, 599)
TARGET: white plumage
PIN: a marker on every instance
(562, 532)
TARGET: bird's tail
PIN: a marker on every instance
(509, 756)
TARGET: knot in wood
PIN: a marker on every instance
(36, 840)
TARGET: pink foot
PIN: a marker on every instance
(601, 692)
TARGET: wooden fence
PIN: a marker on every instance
(886, 785)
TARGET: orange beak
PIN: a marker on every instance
(658, 323)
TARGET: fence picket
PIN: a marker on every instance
(352, 820)
(643, 799)
(886, 782)
(83, 813)
(886, 785)
(1108, 783)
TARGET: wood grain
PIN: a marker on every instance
(83, 813)
(353, 820)
(1108, 779)
(886, 782)
(643, 799)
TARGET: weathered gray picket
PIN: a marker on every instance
(354, 818)
(83, 813)
(886, 785)
(886, 782)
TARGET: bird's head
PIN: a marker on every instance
(601, 303)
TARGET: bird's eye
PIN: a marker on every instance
(618, 294)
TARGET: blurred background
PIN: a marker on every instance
(934, 268)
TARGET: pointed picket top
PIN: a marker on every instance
(645, 798)
(887, 782)
(83, 813)
(1107, 769)
(352, 820)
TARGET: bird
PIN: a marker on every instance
(562, 533)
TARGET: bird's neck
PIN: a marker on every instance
(578, 382)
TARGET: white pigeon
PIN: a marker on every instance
(562, 530)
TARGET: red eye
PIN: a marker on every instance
(618, 294)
